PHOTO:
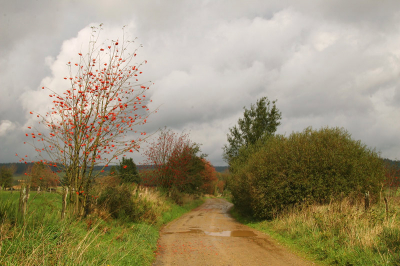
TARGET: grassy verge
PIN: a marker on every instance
(46, 240)
(339, 233)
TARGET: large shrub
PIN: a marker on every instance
(313, 166)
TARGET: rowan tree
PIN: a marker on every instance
(93, 121)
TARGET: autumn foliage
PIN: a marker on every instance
(209, 178)
(175, 163)
(42, 177)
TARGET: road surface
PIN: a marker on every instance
(209, 236)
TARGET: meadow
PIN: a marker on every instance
(44, 239)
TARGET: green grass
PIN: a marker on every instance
(46, 240)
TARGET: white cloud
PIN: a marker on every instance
(5, 126)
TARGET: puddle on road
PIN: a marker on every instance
(234, 233)
(191, 231)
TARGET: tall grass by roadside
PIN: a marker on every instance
(99, 239)
(340, 233)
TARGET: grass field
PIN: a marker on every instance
(46, 240)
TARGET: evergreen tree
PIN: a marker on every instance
(128, 172)
(259, 121)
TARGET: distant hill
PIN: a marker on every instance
(221, 168)
(22, 168)
(392, 162)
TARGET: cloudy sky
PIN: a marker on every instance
(328, 63)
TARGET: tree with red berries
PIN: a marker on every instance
(94, 120)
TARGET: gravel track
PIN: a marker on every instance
(208, 235)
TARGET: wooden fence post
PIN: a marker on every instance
(387, 208)
(64, 202)
(23, 199)
(367, 200)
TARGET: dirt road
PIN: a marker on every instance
(209, 236)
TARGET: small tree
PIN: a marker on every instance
(42, 177)
(176, 162)
(128, 172)
(6, 174)
(209, 178)
(93, 120)
(223, 180)
(260, 120)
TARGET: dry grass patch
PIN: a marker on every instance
(344, 232)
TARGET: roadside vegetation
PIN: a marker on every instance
(338, 233)
(318, 191)
(125, 235)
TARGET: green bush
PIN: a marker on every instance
(124, 203)
(313, 166)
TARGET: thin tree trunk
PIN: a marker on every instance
(86, 206)
(76, 212)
